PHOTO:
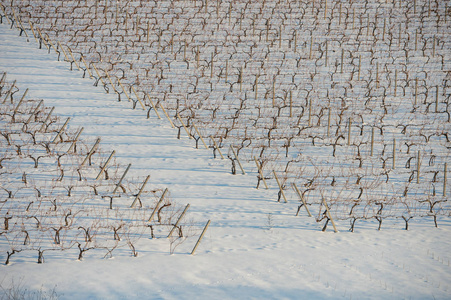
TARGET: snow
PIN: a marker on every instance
(255, 248)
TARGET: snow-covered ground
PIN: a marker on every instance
(255, 247)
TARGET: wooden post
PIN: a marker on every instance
(325, 9)
(342, 58)
(61, 130)
(186, 129)
(75, 140)
(98, 74)
(34, 111)
(156, 206)
(47, 118)
(137, 97)
(51, 44)
(20, 102)
(75, 62)
(200, 136)
(32, 30)
(87, 68)
(178, 221)
(236, 157)
(3, 77)
(140, 191)
(330, 216)
(111, 81)
(153, 105)
(42, 38)
(260, 172)
(64, 52)
(125, 92)
(302, 199)
(4, 12)
(217, 8)
(202, 234)
(9, 91)
(280, 186)
(216, 147)
(166, 114)
(90, 152)
(122, 178)
(105, 165)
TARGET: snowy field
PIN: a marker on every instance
(255, 247)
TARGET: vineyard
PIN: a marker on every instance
(60, 193)
(351, 106)
(341, 108)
